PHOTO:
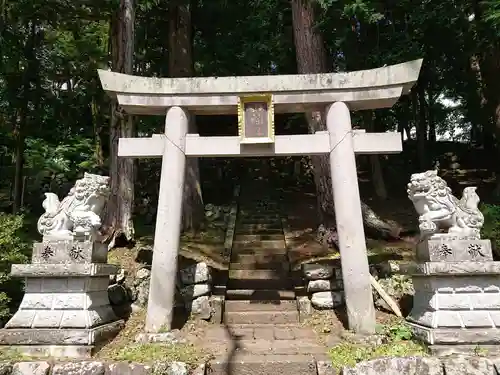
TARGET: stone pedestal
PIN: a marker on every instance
(65, 310)
(457, 294)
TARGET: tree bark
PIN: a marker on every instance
(422, 128)
(21, 120)
(376, 168)
(181, 65)
(118, 216)
(311, 58)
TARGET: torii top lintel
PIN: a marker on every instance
(364, 89)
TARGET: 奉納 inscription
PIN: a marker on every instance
(475, 250)
(76, 252)
(443, 250)
(256, 120)
(47, 252)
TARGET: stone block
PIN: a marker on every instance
(56, 251)
(474, 350)
(468, 365)
(476, 319)
(79, 368)
(5, 368)
(304, 306)
(22, 319)
(327, 300)
(200, 308)
(63, 270)
(16, 336)
(31, 368)
(174, 368)
(247, 364)
(47, 319)
(192, 292)
(217, 304)
(454, 268)
(124, 368)
(316, 271)
(454, 250)
(447, 284)
(324, 285)
(196, 274)
(457, 336)
(397, 366)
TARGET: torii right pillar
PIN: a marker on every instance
(351, 234)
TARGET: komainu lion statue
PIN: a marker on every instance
(78, 213)
(441, 213)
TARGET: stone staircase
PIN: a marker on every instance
(260, 306)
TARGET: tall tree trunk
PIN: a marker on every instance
(420, 127)
(29, 74)
(181, 65)
(430, 118)
(376, 168)
(311, 58)
(118, 217)
(488, 66)
(19, 160)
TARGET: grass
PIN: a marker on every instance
(398, 342)
(348, 354)
(123, 347)
(12, 355)
(148, 353)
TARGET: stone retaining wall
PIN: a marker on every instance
(459, 365)
(324, 285)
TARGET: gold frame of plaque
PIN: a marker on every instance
(266, 99)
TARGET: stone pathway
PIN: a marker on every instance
(260, 308)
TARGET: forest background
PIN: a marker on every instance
(56, 122)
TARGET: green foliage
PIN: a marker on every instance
(147, 353)
(396, 332)
(348, 354)
(491, 227)
(397, 341)
(13, 249)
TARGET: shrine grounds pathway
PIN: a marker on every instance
(261, 331)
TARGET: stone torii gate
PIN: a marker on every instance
(256, 99)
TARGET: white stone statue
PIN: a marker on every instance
(78, 213)
(441, 213)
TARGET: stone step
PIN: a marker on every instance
(261, 284)
(260, 294)
(259, 237)
(282, 347)
(239, 244)
(259, 258)
(261, 317)
(259, 221)
(251, 263)
(245, 364)
(257, 253)
(255, 226)
(249, 305)
(272, 332)
(257, 274)
(262, 215)
(258, 231)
